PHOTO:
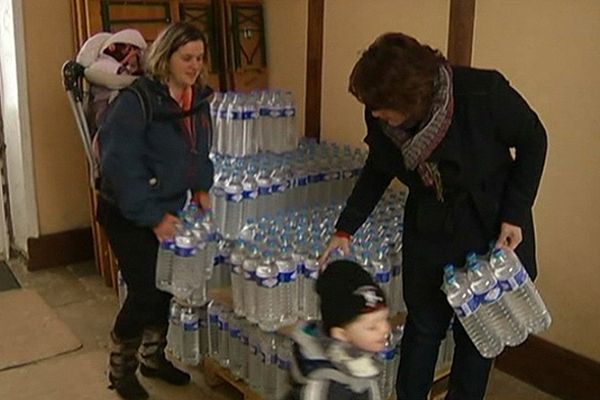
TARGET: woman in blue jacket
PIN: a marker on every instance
(154, 146)
(471, 152)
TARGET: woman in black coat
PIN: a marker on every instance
(471, 152)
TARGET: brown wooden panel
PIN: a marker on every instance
(61, 248)
(314, 68)
(460, 31)
(247, 49)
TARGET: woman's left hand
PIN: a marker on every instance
(510, 236)
(203, 200)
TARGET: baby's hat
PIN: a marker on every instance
(346, 291)
(127, 36)
(91, 48)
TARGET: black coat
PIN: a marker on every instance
(483, 183)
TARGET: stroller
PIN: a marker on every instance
(91, 81)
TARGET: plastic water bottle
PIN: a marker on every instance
(267, 294)
(244, 348)
(396, 291)
(223, 341)
(203, 330)
(175, 330)
(249, 266)
(214, 309)
(382, 271)
(284, 365)
(235, 346)
(289, 112)
(268, 345)
(310, 302)
(212, 241)
(468, 310)
(494, 307)
(255, 364)
(184, 263)
(191, 343)
(390, 358)
(288, 286)
(233, 213)
(238, 254)
(164, 265)
(197, 283)
(519, 292)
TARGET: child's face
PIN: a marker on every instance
(369, 331)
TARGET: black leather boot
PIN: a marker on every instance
(123, 363)
(153, 361)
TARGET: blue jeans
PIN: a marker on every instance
(426, 326)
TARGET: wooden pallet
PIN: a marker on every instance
(216, 375)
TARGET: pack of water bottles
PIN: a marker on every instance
(185, 264)
(495, 300)
(261, 186)
(245, 124)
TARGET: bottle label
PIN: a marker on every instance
(244, 339)
(300, 269)
(267, 282)
(388, 354)
(302, 181)
(310, 273)
(223, 325)
(515, 281)
(234, 333)
(185, 251)
(277, 188)
(249, 275)
(249, 114)
(466, 309)
(289, 112)
(235, 115)
(264, 190)
(276, 112)
(254, 350)
(347, 174)
(214, 318)
(270, 359)
(168, 245)
(236, 269)
(234, 197)
(250, 194)
(264, 112)
(316, 178)
(383, 277)
(491, 295)
(283, 364)
(190, 326)
(286, 277)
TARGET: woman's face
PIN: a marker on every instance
(186, 64)
(391, 117)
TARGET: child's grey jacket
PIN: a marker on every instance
(326, 368)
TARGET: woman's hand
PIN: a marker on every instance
(203, 200)
(336, 242)
(166, 228)
(510, 236)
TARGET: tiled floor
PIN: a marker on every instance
(80, 298)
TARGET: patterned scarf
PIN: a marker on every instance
(416, 149)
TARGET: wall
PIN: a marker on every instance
(350, 26)
(549, 49)
(58, 158)
(285, 26)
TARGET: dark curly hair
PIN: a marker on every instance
(396, 72)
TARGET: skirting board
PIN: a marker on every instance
(61, 248)
(553, 369)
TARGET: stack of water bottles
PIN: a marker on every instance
(263, 185)
(262, 359)
(245, 124)
(496, 301)
(274, 262)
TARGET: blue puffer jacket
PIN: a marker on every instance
(148, 166)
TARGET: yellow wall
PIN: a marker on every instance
(350, 26)
(59, 164)
(285, 26)
(550, 50)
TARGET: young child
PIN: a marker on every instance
(335, 359)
